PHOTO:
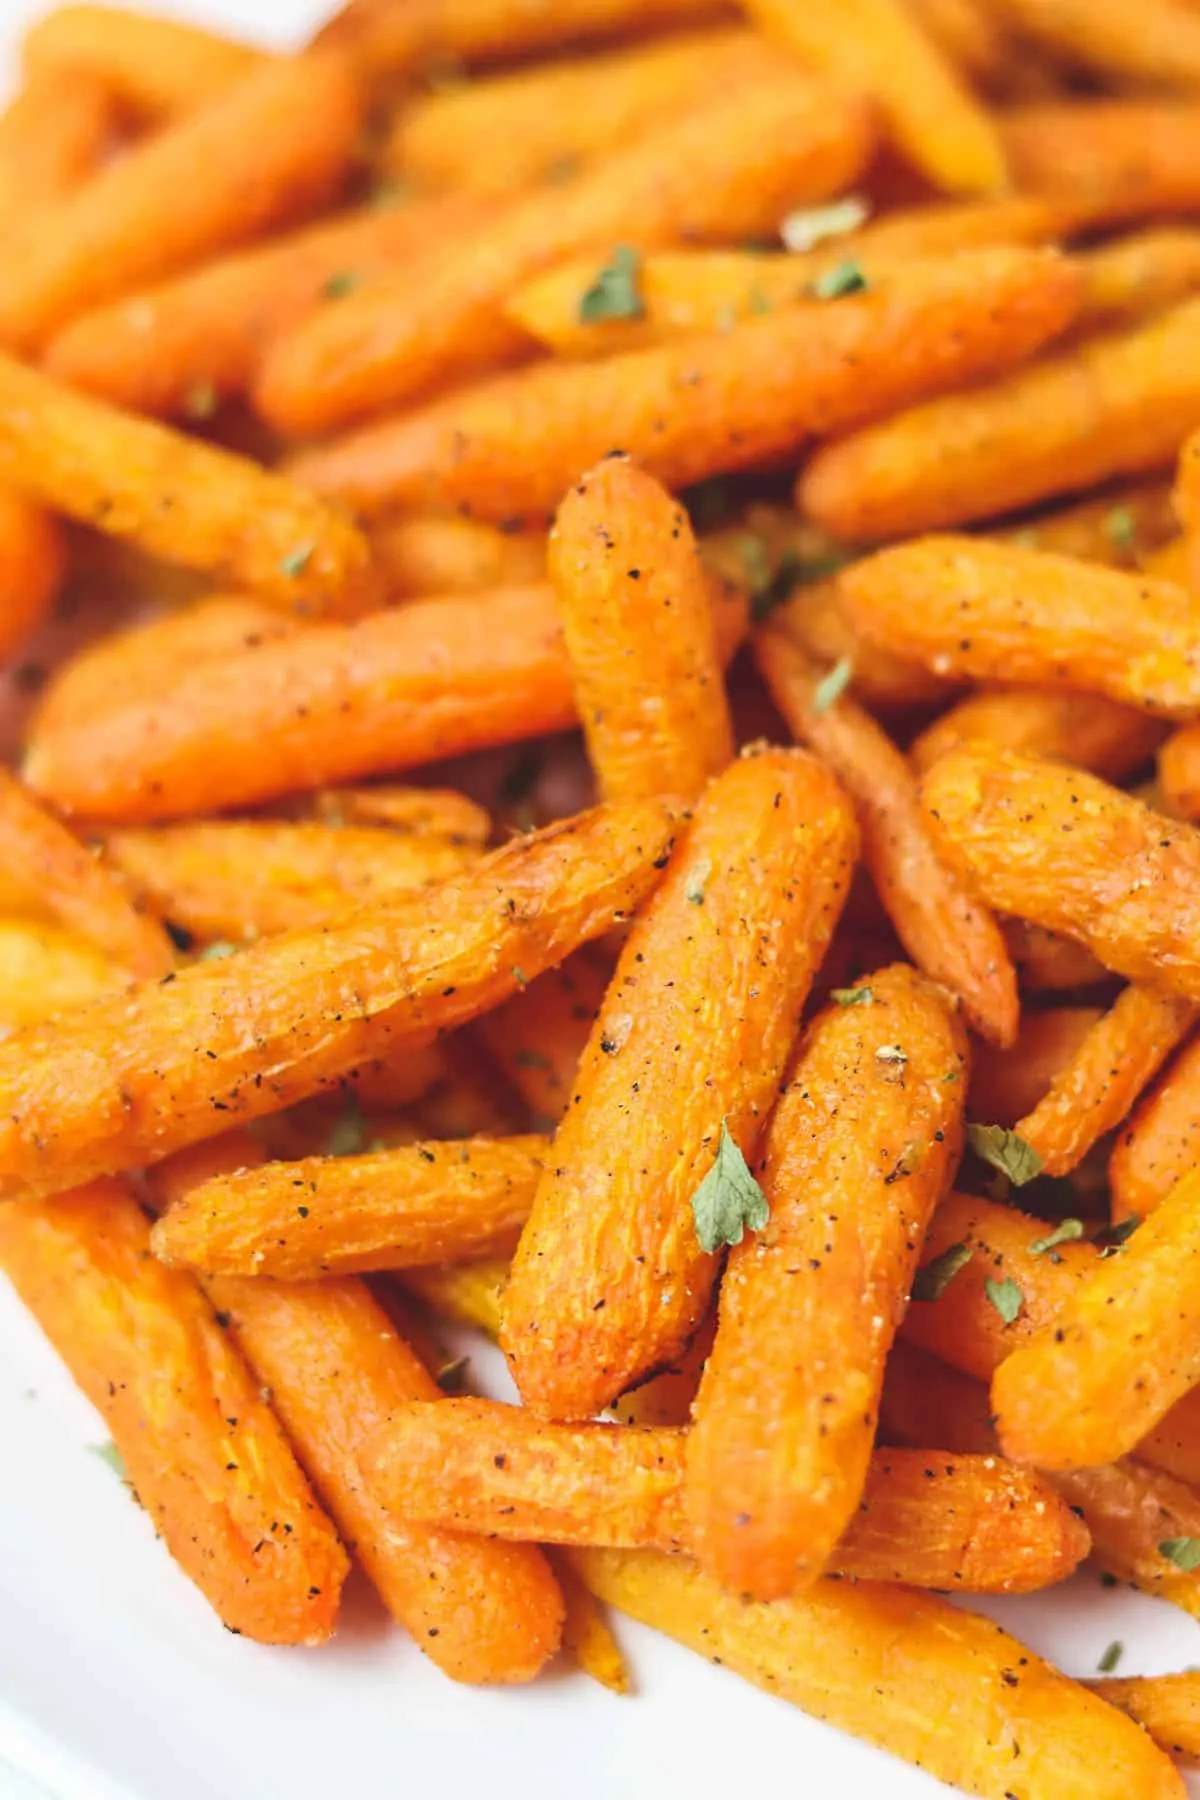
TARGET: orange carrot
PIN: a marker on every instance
(1047, 962)
(1133, 158)
(1141, 274)
(126, 1082)
(32, 561)
(1087, 730)
(416, 811)
(159, 67)
(689, 410)
(1160, 1141)
(1006, 1084)
(53, 135)
(1124, 527)
(639, 635)
(860, 1149)
(725, 170)
(539, 1036)
(815, 619)
(612, 1277)
(952, 938)
(1179, 771)
(431, 555)
(586, 1634)
(1166, 1706)
(147, 215)
(1159, 43)
(45, 970)
(469, 1293)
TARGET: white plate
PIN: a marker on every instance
(117, 1683)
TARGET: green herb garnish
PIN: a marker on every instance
(1005, 1150)
(836, 283)
(855, 996)
(813, 225)
(1068, 1232)
(297, 561)
(615, 293)
(935, 1277)
(1005, 1296)
(697, 881)
(1111, 1658)
(1184, 1552)
(728, 1201)
(831, 687)
(343, 282)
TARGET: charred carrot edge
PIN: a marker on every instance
(668, 1396)
(851, 1182)
(951, 937)
(771, 846)
(639, 634)
(159, 67)
(32, 565)
(1167, 1706)
(813, 1651)
(539, 1036)
(1007, 1084)
(1093, 733)
(1157, 1144)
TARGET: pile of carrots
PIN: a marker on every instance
(600, 607)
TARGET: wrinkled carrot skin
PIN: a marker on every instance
(1125, 527)
(1160, 1141)
(204, 1454)
(187, 501)
(538, 1037)
(639, 633)
(418, 556)
(245, 879)
(478, 1466)
(1093, 733)
(160, 68)
(881, 48)
(1084, 1391)
(944, 930)
(513, 131)
(389, 1209)
(329, 703)
(1120, 403)
(587, 1637)
(858, 1153)
(416, 811)
(1007, 1084)
(45, 970)
(126, 1082)
(1094, 1091)
(695, 1029)
(32, 564)
(469, 1293)
(1135, 276)
(714, 404)
(1166, 1706)
(1059, 847)
(1135, 158)
(40, 854)
(1048, 963)
(146, 216)
(722, 171)
(815, 619)
(1159, 43)
(997, 612)
(53, 135)
(178, 349)
(909, 1650)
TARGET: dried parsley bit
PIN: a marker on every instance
(1005, 1296)
(217, 951)
(348, 1136)
(831, 687)
(1184, 1552)
(343, 281)
(836, 283)
(907, 1163)
(297, 561)
(728, 1202)
(894, 1061)
(1068, 1232)
(855, 996)
(615, 293)
(697, 880)
(1111, 1658)
(771, 586)
(935, 1277)
(108, 1453)
(1120, 527)
(1005, 1150)
(813, 225)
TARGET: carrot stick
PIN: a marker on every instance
(1047, 962)
(1006, 1084)
(1135, 276)
(724, 171)
(639, 634)
(859, 1151)
(1159, 43)
(419, 556)
(1092, 1094)
(186, 501)
(881, 48)
(686, 411)
(469, 1293)
(1065, 850)
(611, 1277)
(126, 1082)
(996, 612)
(32, 564)
(244, 879)
(181, 348)
(1086, 730)
(1166, 1706)
(587, 1637)
(1160, 1141)
(821, 1650)
(815, 619)
(159, 67)
(415, 811)
(329, 703)
(947, 934)
(1135, 158)
(389, 1209)
(1124, 527)
(974, 41)
(1179, 770)
(203, 1452)
(336, 1368)
(53, 135)
(45, 970)
(1117, 404)
(147, 216)
(538, 1038)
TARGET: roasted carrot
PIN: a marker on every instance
(859, 1151)
(973, 39)
(202, 1449)
(1167, 1706)
(469, 1293)
(815, 619)
(1135, 158)
(1092, 733)
(1121, 403)
(611, 1277)
(129, 1081)
(1160, 1141)
(639, 635)
(416, 811)
(667, 1397)
(587, 1637)
(1006, 1084)
(1125, 526)
(820, 1649)
(539, 1036)
(53, 136)
(1159, 43)
(1046, 962)
(1069, 852)
(1134, 276)
(147, 216)
(159, 67)
(947, 933)
(433, 555)
(690, 410)
(32, 563)
(1179, 770)
(245, 879)
(45, 970)
(329, 703)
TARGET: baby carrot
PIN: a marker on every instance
(639, 634)
(32, 563)
(431, 555)
(1160, 1141)
(1048, 963)
(815, 619)
(469, 1293)
(996, 612)
(725, 170)
(821, 1649)
(203, 1452)
(158, 67)
(612, 1277)
(1093, 733)
(45, 970)
(859, 1151)
(186, 501)
(689, 410)
(126, 1082)
(1124, 527)
(415, 811)
(1061, 848)
(53, 136)
(1134, 276)
(1135, 159)
(1179, 771)
(1159, 43)
(1166, 1706)
(539, 1036)
(946, 932)
(587, 1637)
(1006, 1084)
(881, 48)
(1117, 404)
(146, 215)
